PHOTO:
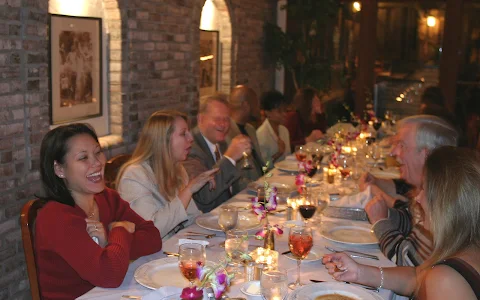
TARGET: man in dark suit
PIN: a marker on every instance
(243, 105)
(210, 150)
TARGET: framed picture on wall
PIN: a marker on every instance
(209, 50)
(75, 68)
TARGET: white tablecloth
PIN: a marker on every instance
(309, 270)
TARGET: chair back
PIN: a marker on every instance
(112, 167)
(27, 223)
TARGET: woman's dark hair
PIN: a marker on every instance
(54, 148)
(272, 100)
(303, 102)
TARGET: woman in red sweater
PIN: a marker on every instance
(307, 122)
(85, 235)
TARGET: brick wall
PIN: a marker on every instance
(153, 65)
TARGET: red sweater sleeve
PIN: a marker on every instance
(146, 239)
(297, 136)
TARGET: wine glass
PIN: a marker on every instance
(308, 207)
(377, 124)
(246, 165)
(301, 153)
(300, 241)
(375, 153)
(236, 244)
(191, 255)
(227, 219)
(273, 285)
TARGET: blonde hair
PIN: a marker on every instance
(153, 147)
(453, 198)
(218, 97)
(452, 178)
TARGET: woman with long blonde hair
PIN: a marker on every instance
(450, 198)
(154, 181)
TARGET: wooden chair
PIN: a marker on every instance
(27, 223)
(112, 167)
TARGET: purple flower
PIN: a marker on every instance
(259, 210)
(200, 270)
(272, 201)
(262, 234)
(220, 283)
(191, 293)
(275, 228)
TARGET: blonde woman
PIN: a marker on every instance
(449, 197)
(154, 181)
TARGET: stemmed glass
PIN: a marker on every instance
(236, 243)
(191, 255)
(246, 165)
(273, 285)
(308, 207)
(300, 241)
(227, 219)
(375, 153)
(300, 153)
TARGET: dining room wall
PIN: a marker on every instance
(152, 63)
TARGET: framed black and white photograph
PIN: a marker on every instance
(75, 68)
(209, 41)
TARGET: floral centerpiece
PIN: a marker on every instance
(216, 277)
(304, 167)
(262, 205)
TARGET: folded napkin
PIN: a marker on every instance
(356, 201)
(187, 241)
(163, 292)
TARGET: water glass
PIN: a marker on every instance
(228, 218)
(236, 244)
(273, 285)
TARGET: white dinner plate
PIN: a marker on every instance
(161, 272)
(348, 233)
(247, 285)
(246, 221)
(314, 255)
(287, 165)
(311, 291)
(253, 186)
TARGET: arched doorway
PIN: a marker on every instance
(216, 16)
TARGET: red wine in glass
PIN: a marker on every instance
(377, 125)
(189, 269)
(300, 245)
(354, 123)
(307, 211)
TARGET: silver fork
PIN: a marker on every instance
(354, 254)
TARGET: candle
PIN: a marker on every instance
(331, 175)
(265, 256)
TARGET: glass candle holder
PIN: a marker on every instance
(268, 258)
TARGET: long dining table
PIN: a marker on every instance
(313, 270)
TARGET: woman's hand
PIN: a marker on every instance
(198, 182)
(96, 229)
(129, 226)
(341, 267)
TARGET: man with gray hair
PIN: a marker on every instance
(209, 150)
(243, 104)
(399, 224)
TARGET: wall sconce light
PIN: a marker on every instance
(356, 6)
(431, 21)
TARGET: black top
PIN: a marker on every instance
(467, 272)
